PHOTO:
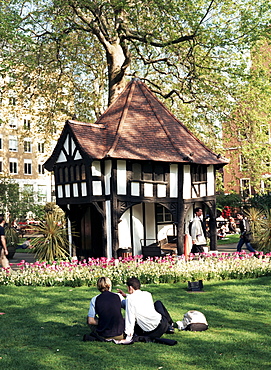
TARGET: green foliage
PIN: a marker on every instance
(15, 202)
(261, 201)
(12, 237)
(247, 128)
(52, 242)
(80, 51)
(231, 200)
(260, 222)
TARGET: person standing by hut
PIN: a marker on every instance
(198, 232)
(3, 245)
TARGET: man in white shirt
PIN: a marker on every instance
(198, 232)
(143, 317)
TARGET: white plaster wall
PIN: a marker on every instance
(150, 222)
(107, 176)
(138, 232)
(210, 180)
(189, 217)
(121, 177)
(186, 182)
(97, 188)
(164, 231)
(124, 231)
(96, 168)
(203, 190)
(108, 228)
(173, 176)
(135, 188)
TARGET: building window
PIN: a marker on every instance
(13, 121)
(27, 146)
(41, 147)
(242, 134)
(42, 193)
(1, 165)
(243, 163)
(245, 188)
(198, 173)
(13, 144)
(41, 169)
(12, 100)
(1, 142)
(27, 167)
(13, 166)
(28, 193)
(27, 124)
(265, 132)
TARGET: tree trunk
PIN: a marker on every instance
(117, 63)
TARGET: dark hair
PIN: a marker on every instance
(240, 213)
(197, 209)
(2, 218)
(133, 282)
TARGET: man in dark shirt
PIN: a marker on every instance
(245, 232)
(3, 246)
(105, 311)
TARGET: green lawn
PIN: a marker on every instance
(42, 328)
(230, 239)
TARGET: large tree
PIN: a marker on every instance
(190, 51)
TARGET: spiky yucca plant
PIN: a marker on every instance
(256, 220)
(52, 240)
(264, 234)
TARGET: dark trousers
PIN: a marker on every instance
(197, 248)
(162, 328)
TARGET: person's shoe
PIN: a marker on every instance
(88, 338)
(170, 330)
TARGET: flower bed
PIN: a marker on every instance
(153, 270)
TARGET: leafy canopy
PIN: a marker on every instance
(192, 52)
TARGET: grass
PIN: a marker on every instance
(42, 328)
(230, 239)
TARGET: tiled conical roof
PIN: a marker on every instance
(138, 126)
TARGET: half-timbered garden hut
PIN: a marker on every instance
(130, 181)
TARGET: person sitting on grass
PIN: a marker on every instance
(26, 244)
(143, 317)
(104, 315)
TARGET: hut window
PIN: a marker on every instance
(147, 172)
(136, 168)
(72, 174)
(66, 174)
(163, 215)
(198, 173)
(60, 175)
(159, 174)
(77, 173)
(83, 172)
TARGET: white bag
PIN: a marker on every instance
(193, 317)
